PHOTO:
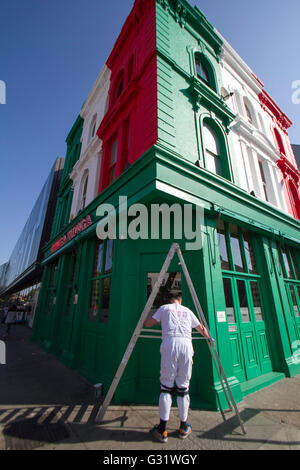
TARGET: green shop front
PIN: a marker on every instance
(246, 275)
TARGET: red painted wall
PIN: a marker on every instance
(132, 112)
(287, 162)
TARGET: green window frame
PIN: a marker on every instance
(291, 274)
(51, 287)
(100, 281)
(71, 286)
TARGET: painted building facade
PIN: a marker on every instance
(170, 134)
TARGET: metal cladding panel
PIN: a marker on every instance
(26, 250)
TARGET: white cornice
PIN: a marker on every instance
(100, 87)
(254, 137)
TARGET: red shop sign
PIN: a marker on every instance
(78, 228)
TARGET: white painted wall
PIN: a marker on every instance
(93, 112)
(250, 142)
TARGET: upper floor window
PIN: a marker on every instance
(113, 161)
(119, 85)
(249, 111)
(295, 200)
(263, 178)
(204, 70)
(93, 128)
(83, 191)
(279, 141)
(212, 150)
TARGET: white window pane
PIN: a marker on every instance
(211, 140)
(212, 163)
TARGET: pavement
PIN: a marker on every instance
(45, 406)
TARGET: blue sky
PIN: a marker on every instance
(52, 52)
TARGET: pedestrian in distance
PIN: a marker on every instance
(11, 317)
(177, 353)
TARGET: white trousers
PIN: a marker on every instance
(176, 366)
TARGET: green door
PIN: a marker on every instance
(289, 258)
(293, 292)
(66, 308)
(242, 290)
(94, 307)
(247, 331)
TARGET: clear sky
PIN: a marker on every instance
(51, 52)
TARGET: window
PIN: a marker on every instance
(51, 287)
(201, 70)
(171, 285)
(204, 70)
(223, 246)
(126, 144)
(113, 161)
(100, 284)
(249, 252)
(212, 150)
(231, 318)
(83, 191)
(256, 301)
(244, 308)
(119, 85)
(93, 128)
(295, 201)
(248, 113)
(120, 88)
(263, 178)
(71, 286)
(288, 263)
(236, 249)
(279, 141)
(294, 299)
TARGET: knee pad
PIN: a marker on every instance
(182, 392)
(170, 390)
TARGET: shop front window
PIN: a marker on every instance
(236, 248)
(51, 287)
(71, 293)
(244, 308)
(294, 299)
(171, 285)
(249, 252)
(223, 246)
(256, 301)
(100, 287)
(229, 300)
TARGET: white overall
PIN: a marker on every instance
(176, 356)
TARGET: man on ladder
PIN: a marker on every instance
(177, 353)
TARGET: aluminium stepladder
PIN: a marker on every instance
(175, 248)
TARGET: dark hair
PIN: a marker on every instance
(175, 296)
